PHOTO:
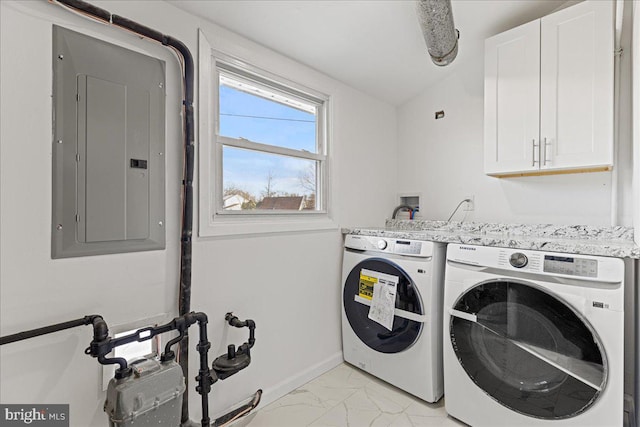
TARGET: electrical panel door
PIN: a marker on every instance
(108, 148)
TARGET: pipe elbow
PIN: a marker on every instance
(100, 329)
(398, 208)
(201, 317)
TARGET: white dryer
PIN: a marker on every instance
(533, 338)
(409, 354)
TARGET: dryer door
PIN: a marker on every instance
(528, 350)
(404, 332)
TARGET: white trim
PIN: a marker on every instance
(617, 70)
(233, 65)
(245, 83)
(225, 226)
(205, 196)
(270, 149)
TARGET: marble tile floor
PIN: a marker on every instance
(349, 397)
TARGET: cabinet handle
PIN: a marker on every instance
(544, 152)
(533, 153)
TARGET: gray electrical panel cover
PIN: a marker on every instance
(108, 148)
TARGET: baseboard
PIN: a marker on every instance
(284, 387)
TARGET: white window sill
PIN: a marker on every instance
(224, 226)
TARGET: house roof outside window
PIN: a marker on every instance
(295, 203)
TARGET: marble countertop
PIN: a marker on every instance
(575, 239)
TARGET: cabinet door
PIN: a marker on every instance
(512, 100)
(576, 96)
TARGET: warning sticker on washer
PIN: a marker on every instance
(383, 301)
(367, 280)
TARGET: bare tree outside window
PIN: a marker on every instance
(269, 188)
(307, 178)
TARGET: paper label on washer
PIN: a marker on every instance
(383, 303)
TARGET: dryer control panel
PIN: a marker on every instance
(583, 267)
(557, 264)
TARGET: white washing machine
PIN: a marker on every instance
(533, 338)
(409, 353)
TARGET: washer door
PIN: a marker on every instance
(405, 332)
(528, 350)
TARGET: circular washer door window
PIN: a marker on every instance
(404, 332)
(528, 350)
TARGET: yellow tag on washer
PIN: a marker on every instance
(365, 286)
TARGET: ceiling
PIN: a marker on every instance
(375, 46)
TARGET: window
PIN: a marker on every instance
(270, 144)
(263, 149)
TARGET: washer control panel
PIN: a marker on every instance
(572, 266)
(414, 248)
(408, 247)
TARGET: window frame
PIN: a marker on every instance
(223, 64)
(213, 219)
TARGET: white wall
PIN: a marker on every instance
(288, 283)
(443, 160)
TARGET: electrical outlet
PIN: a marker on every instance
(470, 206)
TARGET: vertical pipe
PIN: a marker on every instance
(184, 299)
(204, 374)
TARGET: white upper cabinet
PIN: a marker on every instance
(512, 100)
(576, 70)
(549, 94)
